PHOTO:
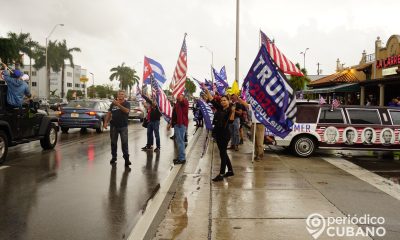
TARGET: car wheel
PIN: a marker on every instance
(303, 146)
(50, 139)
(3, 147)
(100, 129)
(64, 129)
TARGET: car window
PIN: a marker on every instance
(328, 115)
(81, 104)
(134, 104)
(395, 117)
(364, 116)
(307, 114)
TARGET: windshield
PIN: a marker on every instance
(81, 104)
(134, 104)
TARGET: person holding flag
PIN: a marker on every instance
(153, 118)
(224, 115)
(179, 122)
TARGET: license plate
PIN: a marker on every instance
(74, 115)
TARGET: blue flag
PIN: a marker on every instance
(208, 85)
(221, 84)
(270, 96)
(207, 112)
(222, 74)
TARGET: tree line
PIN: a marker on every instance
(13, 48)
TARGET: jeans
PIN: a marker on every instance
(153, 126)
(180, 131)
(114, 132)
(235, 128)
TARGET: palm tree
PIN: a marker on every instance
(65, 53)
(126, 76)
(23, 43)
(299, 83)
(54, 61)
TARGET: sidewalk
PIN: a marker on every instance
(270, 199)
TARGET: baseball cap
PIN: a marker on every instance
(17, 73)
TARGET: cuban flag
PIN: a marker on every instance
(220, 81)
(272, 99)
(151, 66)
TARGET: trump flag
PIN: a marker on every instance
(270, 96)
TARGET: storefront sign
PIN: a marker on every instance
(389, 71)
(390, 61)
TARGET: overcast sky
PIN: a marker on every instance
(112, 32)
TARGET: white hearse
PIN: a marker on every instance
(345, 127)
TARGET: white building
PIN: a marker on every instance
(72, 77)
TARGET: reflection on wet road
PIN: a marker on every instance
(72, 192)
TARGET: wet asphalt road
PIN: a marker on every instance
(72, 192)
(380, 163)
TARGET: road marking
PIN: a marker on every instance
(3, 167)
(375, 180)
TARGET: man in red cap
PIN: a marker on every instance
(179, 122)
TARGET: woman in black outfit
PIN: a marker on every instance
(224, 115)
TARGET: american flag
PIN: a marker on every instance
(162, 101)
(284, 64)
(335, 103)
(179, 78)
(138, 93)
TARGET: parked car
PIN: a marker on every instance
(55, 104)
(345, 127)
(84, 114)
(18, 126)
(43, 103)
(138, 111)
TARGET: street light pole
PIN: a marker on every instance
(212, 62)
(304, 57)
(237, 44)
(30, 71)
(94, 91)
(47, 74)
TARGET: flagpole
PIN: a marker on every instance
(255, 124)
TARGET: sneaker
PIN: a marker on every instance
(113, 160)
(145, 148)
(179, 162)
(127, 163)
(218, 178)
(236, 148)
(228, 174)
(157, 149)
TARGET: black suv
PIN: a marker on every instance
(24, 125)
